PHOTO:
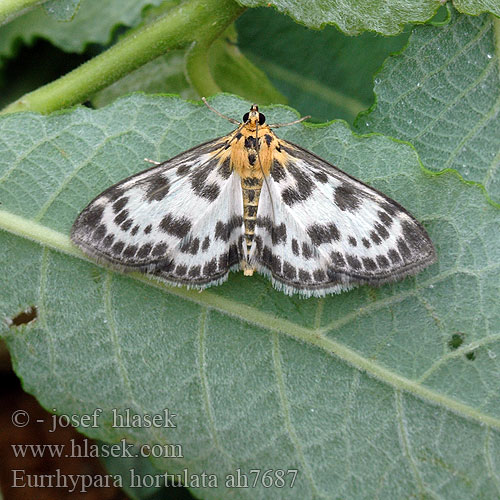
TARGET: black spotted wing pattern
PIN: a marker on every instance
(319, 230)
(181, 221)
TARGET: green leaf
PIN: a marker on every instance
(323, 73)
(93, 23)
(257, 379)
(442, 94)
(62, 10)
(353, 17)
(475, 7)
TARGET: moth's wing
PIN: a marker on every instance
(319, 230)
(181, 220)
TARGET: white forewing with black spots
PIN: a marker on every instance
(320, 231)
(181, 220)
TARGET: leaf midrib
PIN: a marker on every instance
(25, 228)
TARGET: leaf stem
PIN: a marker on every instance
(198, 21)
(9, 9)
(198, 69)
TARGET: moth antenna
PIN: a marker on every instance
(278, 125)
(232, 120)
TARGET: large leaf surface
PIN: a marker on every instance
(383, 16)
(442, 93)
(368, 393)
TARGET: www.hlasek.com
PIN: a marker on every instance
(254, 478)
(122, 449)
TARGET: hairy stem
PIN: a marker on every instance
(198, 21)
(198, 69)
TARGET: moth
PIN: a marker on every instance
(254, 202)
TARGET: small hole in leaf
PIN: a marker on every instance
(471, 356)
(24, 317)
(457, 339)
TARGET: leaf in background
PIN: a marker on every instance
(442, 94)
(93, 23)
(365, 393)
(62, 10)
(353, 17)
(323, 73)
(231, 70)
(475, 7)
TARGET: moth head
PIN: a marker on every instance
(254, 116)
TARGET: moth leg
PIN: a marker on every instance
(152, 161)
(248, 270)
